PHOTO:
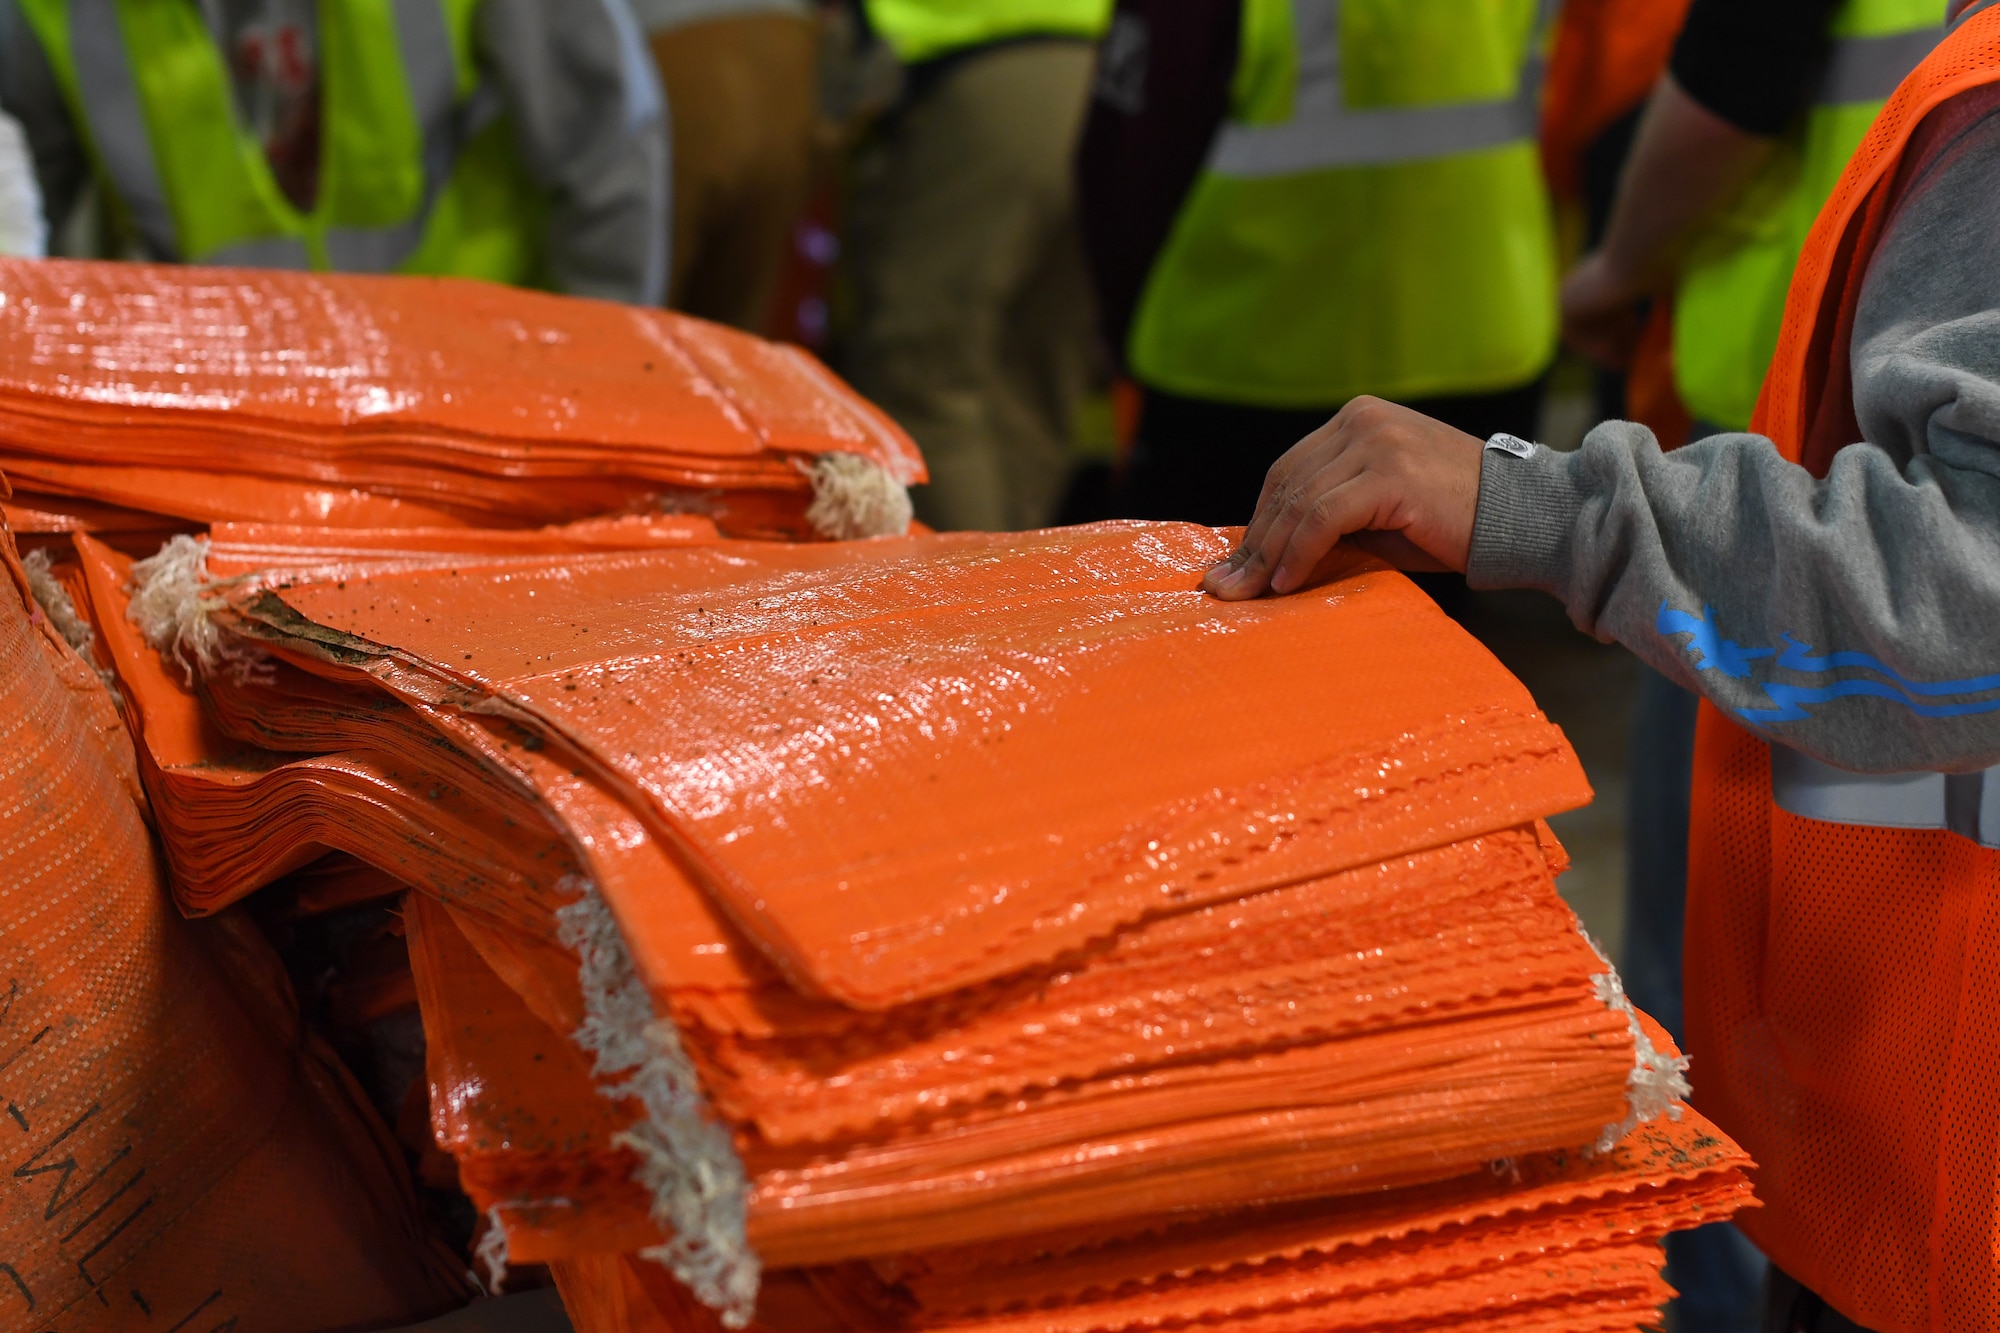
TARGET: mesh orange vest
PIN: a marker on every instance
(1843, 978)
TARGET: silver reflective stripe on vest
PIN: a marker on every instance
(1324, 132)
(1867, 69)
(1967, 804)
(110, 98)
(118, 128)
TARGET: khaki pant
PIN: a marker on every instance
(742, 94)
(972, 312)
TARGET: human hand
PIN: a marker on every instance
(1601, 316)
(1408, 484)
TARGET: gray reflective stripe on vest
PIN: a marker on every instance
(1867, 69)
(118, 128)
(1324, 132)
(1967, 804)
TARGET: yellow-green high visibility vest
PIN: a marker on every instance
(1371, 217)
(1731, 297)
(416, 174)
(920, 29)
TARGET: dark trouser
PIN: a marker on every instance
(1202, 461)
(1790, 1308)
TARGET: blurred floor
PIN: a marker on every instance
(1586, 688)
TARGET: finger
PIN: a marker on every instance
(1290, 487)
(1285, 477)
(1333, 514)
(1248, 572)
(1237, 579)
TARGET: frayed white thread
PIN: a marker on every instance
(855, 497)
(686, 1161)
(491, 1253)
(1658, 1082)
(173, 607)
(54, 599)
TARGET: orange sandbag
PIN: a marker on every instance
(212, 393)
(185, 1156)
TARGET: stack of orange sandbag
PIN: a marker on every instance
(975, 932)
(182, 1153)
(134, 395)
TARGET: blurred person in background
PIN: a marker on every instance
(1289, 205)
(1764, 103)
(1605, 60)
(742, 77)
(522, 141)
(972, 323)
(24, 228)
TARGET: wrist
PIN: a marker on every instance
(1621, 276)
(1524, 520)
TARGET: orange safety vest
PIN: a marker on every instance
(1843, 932)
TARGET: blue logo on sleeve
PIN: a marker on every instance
(1712, 652)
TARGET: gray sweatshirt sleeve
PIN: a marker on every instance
(591, 125)
(1854, 618)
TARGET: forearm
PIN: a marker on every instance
(1852, 618)
(1686, 163)
(590, 125)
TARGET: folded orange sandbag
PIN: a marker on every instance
(218, 393)
(185, 1155)
(1560, 1242)
(1542, 997)
(1008, 746)
(1269, 1049)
